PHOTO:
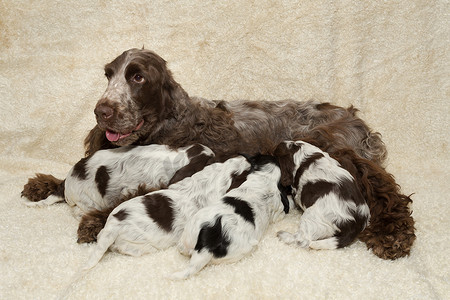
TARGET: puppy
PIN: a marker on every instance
(335, 211)
(230, 229)
(103, 179)
(157, 219)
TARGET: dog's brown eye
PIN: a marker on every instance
(138, 78)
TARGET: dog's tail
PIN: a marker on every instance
(42, 186)
(106, 238)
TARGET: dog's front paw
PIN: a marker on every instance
(40, 187)
(88, 229)
(91, 224)
(44, 203)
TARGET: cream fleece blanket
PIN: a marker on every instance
(388, 58)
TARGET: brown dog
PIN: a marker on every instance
(143, 105)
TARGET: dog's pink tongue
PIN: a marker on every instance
(112, 136)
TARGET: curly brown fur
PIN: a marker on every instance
(91, 224)
(41, 186)
(390, 233)
(94, 221)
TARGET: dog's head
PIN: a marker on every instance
(138, 96)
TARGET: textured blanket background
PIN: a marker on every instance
(388, 58)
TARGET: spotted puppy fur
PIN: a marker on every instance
(232, 228)
(335, 211)
(157, 219)
(103, 179)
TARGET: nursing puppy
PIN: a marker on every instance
(157, 219)
(335, 211)
(103, 179)
(230, 229)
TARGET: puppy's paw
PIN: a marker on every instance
(286, 237)
(44, 203)
(38, 204)
(181, 275)
(184, 249)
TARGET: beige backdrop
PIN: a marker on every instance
(388, 58)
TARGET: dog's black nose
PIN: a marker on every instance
(104, 112)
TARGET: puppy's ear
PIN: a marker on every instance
(284, 154)
(287, 170)
(287, 148)
(282, 149)
(284, 191)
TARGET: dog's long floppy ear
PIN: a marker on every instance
(161, 79)
(170, 89)
(285, 155)
(96, 140)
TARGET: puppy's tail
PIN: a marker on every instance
(106, 238)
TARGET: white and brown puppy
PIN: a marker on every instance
(232, 228)
(101, 180)
(157, 219)
(335, 211)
